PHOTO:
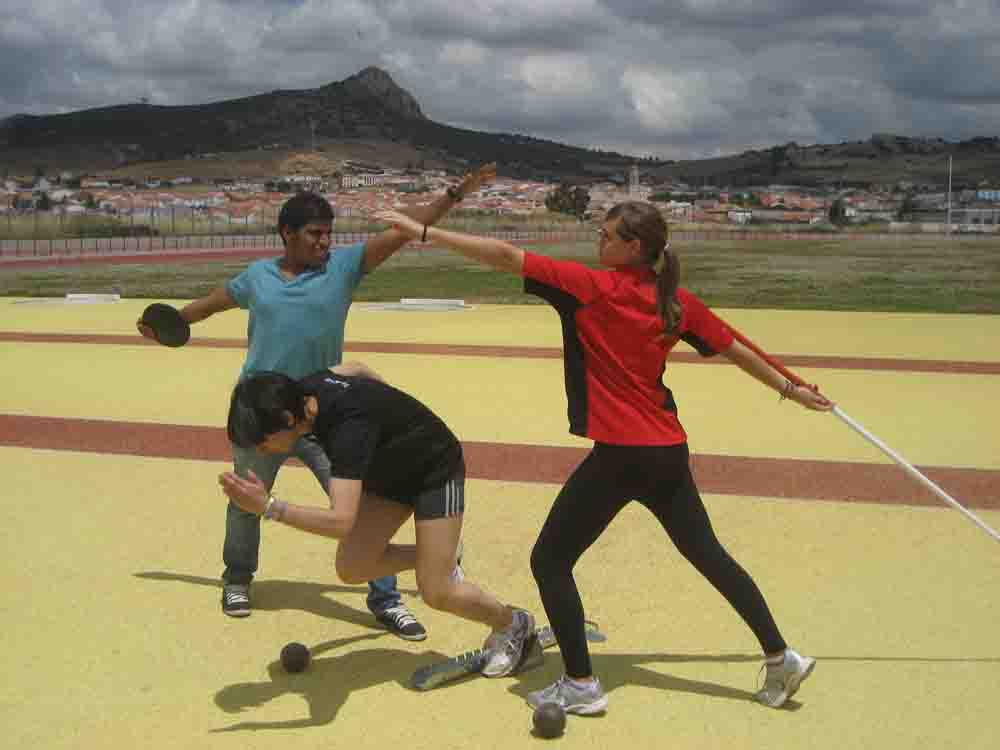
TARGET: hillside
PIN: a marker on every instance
(368, 117)
(883, 159)
(362, 117)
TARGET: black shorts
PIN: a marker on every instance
(444, 501)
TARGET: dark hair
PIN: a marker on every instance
(643, 222)
(304, 208)
(260, 405)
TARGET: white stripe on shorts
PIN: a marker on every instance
(453, 497)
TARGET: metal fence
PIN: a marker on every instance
(42, 247)
(215, 244)
(11, 249)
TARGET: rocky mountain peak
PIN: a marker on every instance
(375, 82)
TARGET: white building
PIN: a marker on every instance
(680, 209)
(349, 181)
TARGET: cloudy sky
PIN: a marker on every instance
(682, 79)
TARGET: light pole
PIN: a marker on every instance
(949, 194)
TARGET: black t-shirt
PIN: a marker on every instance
(382, 436)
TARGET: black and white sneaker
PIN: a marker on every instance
(401, 621)
(236, 599)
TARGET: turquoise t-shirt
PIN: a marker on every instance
(296, 326)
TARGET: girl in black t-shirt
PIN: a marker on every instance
(392, 458)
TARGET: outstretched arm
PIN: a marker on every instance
(752, 364)
(215, 301)
(502, 256)
(381, 246)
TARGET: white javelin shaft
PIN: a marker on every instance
(914, 473)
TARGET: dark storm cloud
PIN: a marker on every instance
(676, 79)
(507, 25)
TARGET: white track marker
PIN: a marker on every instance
(90, 299)
(429, 302)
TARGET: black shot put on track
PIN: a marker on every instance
(549, 720)
(294, 657)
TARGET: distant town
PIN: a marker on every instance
(358, 188)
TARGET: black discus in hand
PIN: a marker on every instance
(167, 324)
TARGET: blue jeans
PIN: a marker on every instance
(242, 546)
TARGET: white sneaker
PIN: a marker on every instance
(783, 679)
(505, 647)
(574, 698)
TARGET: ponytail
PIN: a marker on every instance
(667, 280)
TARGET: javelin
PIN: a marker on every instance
(910, 469)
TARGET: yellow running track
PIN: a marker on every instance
(114, 635)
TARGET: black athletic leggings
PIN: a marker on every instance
(660, 478)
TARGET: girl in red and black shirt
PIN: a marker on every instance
(618, 326)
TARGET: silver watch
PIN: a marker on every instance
(268, 508)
